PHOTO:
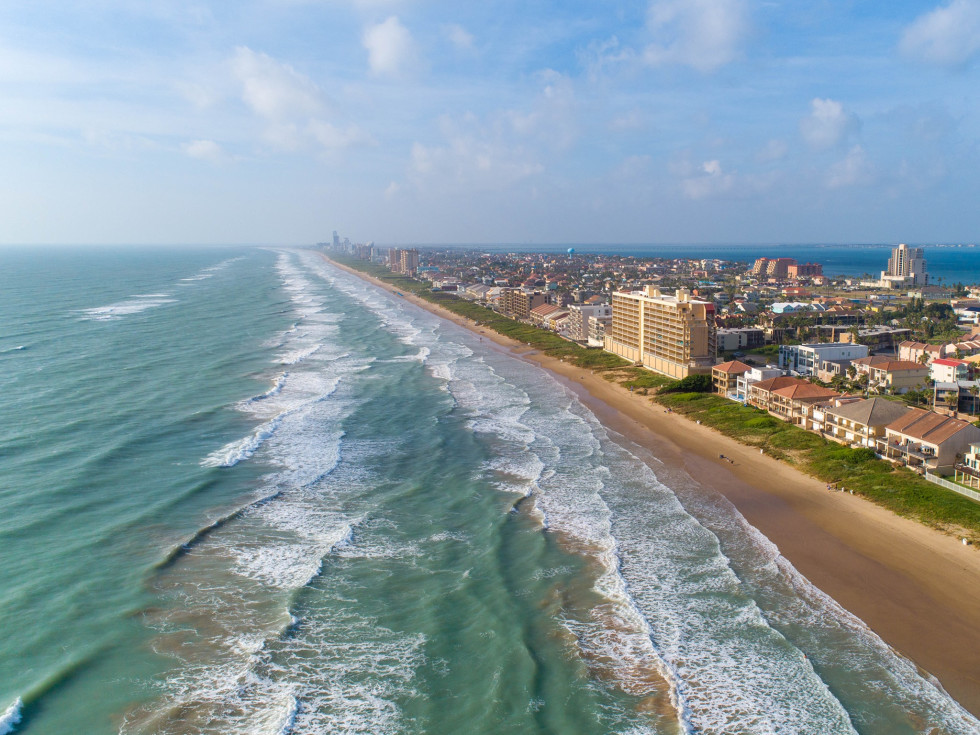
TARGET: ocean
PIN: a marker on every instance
(242, 491)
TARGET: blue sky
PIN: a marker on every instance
(400, 121)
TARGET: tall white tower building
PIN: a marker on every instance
(906, 267)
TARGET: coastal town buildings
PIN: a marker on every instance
(927, 440)
(673, 335)
(861, 423)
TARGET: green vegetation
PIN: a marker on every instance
(593, 358)
(690, 384)
(896, 488)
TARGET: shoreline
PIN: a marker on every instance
(915, 587)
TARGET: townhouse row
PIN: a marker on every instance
(919, 439)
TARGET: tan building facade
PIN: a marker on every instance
(673, 335)
(517, 303)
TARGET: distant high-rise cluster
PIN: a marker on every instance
(906, 267)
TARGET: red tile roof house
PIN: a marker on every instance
(923, 440)
(724, 377)
(898, 376)
(787, 403)
(946, 370)
(759, 394)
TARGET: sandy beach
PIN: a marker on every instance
(916, 587)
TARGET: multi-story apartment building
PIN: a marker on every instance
(906, 267)
(577, 325)
(673, 335)
(804, 270)
(403, 261)
(737, 338)
(806, 359)
(409, 261)
(597, 329)
(517, 303)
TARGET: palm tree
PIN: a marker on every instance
(952, 399)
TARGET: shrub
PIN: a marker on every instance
(690, 384)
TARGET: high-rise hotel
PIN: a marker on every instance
(673, 335)
(906, 267)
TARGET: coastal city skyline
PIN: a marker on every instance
(428, 368)
(648, 121)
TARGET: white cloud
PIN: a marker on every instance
(292, 106)
(206, 150)
(709, 181)
(275, 90)
(948, 35)
(773, 150)
(553, 118)
(704, 34)
(828, 124)
(628, 122)
(459, 37)
(853, 170)
(391, 50)
(474, 157)
(331, 137)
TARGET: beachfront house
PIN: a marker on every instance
(760, 394)
(861, 423)
(948, 370)
(724, 378)
(750, 377)
(789, 403)
(897, 376)
(968, 471)
(927, 441)
(806, 359)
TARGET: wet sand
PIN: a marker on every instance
(917, 588)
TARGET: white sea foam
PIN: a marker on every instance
(11, 717)
(296, 356)
(276, 388)
(290, 674)
(234, 452)
(132, 305)
(845, 648)
(209, 272)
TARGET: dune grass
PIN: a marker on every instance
(896, 488)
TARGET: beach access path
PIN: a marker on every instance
(916, 587)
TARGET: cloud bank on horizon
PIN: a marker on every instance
(413, 121)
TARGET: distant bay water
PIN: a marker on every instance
(951, 263)
(242, 491)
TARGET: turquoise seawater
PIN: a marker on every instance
(242, 491)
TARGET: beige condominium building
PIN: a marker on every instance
(673, 335)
